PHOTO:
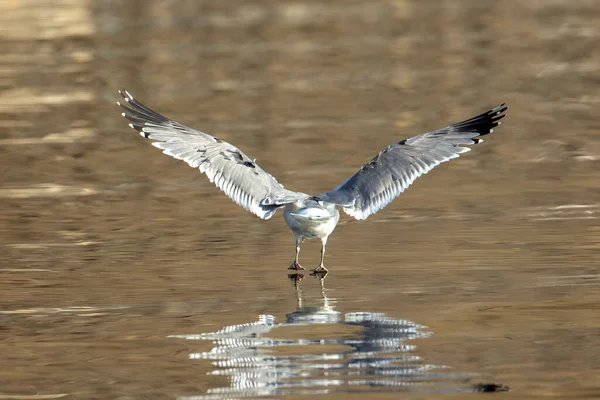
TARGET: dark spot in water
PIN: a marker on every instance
(490, 387)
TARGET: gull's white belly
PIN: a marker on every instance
(311, 221)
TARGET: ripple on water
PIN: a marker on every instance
(363, 351)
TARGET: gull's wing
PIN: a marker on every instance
(396, 167)
(231, 170)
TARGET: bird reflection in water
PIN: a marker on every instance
(374, 358)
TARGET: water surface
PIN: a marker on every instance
(113, 253)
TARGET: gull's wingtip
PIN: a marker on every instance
(125, 94)
(500, 108)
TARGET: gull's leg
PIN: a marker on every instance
(296, 265)
(321, 267)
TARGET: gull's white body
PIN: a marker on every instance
(310, 219)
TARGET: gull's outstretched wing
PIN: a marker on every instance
(231, 170)
(396, 167)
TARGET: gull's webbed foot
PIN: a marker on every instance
(320, 269)
(296, 266)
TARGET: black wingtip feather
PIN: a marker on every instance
(138, 113)
(483, 123)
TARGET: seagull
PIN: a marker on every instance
(372, 188)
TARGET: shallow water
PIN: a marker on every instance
(115, 258)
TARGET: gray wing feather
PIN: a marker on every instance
(396, 167)
(225, 165)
